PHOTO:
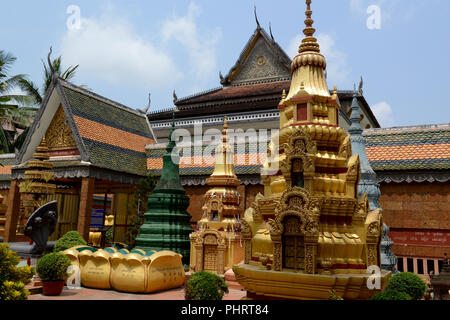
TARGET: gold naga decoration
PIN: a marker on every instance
(217, 245)
(309, 234)
(135, 272)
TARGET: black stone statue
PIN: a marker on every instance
(39, 228)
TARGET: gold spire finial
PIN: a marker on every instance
(335, 89)
(284, 94)
(309, 43)
(224, 131)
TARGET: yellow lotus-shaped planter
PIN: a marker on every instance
(136, 271)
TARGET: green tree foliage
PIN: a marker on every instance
(53, 267)
(69, 240)
(12, 278)
(10, 112)
(409, 283)
(38, 94)
(391, 295)
(139, 206)
(204, 285)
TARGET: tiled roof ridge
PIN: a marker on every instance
(430, 127)
(256, 82)
(161, 111)
(198, 94)
(101, 98)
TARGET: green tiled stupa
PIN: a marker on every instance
(166, 224)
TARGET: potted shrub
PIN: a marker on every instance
(390, 295)
(69, 240)
(409, 283)
(204, 285)
(52, 269)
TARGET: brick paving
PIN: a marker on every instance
(236, 293)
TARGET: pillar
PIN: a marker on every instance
(85, 209)
(12, 214)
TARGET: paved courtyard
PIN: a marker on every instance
(235, 293)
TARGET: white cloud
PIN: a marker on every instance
(383, 113)
(200, 48)
(338, 68)
(110, 50)
(357, 6)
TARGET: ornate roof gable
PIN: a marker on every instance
(262, 60)
(107, 134)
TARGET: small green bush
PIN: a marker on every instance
(204, 285)
(53, 267)
(408, 283)
(391, 295)
(12, 278)
(69, 240)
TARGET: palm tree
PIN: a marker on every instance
(9, 109)
(38, 95)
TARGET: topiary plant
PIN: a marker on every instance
(408, 283)
(69, 240)
(204, 285)
(53, 267)
(391, 295)
(12, 278)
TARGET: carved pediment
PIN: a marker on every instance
(59, 136)
(261, 61)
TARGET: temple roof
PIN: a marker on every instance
(108, 135)
(409, 148)
(419, 154)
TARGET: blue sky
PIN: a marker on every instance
(127, 49)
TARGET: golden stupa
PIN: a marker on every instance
(218, 244)
(309, 234)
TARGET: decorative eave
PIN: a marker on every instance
(413, 177)
(83, 170)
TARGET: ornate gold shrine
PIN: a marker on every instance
(218, 245)
(309, 233)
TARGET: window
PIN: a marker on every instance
(440, 265)
(420, 266)
(400, 264)
(410, 265)
(430, 266)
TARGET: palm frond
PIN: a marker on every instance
(7, 60)
(70, 72)
(31, 90)
(10, 83)
(19, 141)
(5, 146)
(24, 100)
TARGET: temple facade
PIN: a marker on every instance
(310, 228)
(217, 245)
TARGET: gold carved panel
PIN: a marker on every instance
(59, 135)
